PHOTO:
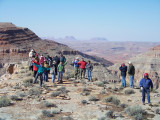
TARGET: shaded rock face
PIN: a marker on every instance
(144, 63)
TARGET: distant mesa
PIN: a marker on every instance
(99, 39)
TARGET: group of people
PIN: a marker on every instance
(42, 66)
(80, 68)
(145, 84)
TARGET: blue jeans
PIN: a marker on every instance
(41, 78)
(89, 75)
(123, 81)
(131, 78)
(53, 77)
(45, 76)
(60, 76)
(144, 91)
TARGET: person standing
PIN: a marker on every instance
(60, 71)
(76, 67)
(52, 71)
(131, 72)
(123, 69)
(45, 75)
(63, 60)
(41, 59)
(89, 68)
(57, 60)
(82, 64)
(145, 85)
(40, 72)
(49, 60)
(31, 55)
(35, 69)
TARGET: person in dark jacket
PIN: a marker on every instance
(123, 69)
(57, 60)
(145, 85)
(89, 68)
(49, 60)
(62, 59)
(52, 71)
(76, 67)
(131, 72)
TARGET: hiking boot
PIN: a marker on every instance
(143, 103)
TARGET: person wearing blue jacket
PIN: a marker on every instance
(40, 72)
(76, 67)
(123, 69)
(145, 85)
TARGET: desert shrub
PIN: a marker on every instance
(154, 91)
(15, 98)
(55, 112)
(65, 118)
(109, 114)
(123, 105)
(84, 102)
(28, 80)
(112, 100)
(86, 93)
(48, 104)
(135, 111)
(46, 87)
(157, 111)
(56, 93)
(28, 84)
(4, 101)
(35, 91)
(103, 92)
(63, 89)
(93, 98)
(85, 89)
(129, 91)
(100, 83)
(47, 113)
(22, 94)
(16, 87)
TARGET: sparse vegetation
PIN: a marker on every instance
(56, 93)
(100, 83)
(157, 111)
(47, 113)
(4, 101)
(65, 118)
(28, 84)
(124, 105)
(103, 92)
(48, 104)
(22, 94)
(63, 89)
(93, 98)
(28, 80)
(35, 91)
(109, 114)
(135, 111)
(84, 102)
(112, 100)
(103, 118)
(129, 91)
(15, 98)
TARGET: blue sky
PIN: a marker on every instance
(116, 20)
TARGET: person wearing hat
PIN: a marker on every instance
(145, 85)
(57, 60)
(53, 71)
(131, 72)
(76, 67)
(123, 69)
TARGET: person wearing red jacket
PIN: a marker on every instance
(35, 69)
(82, 64)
